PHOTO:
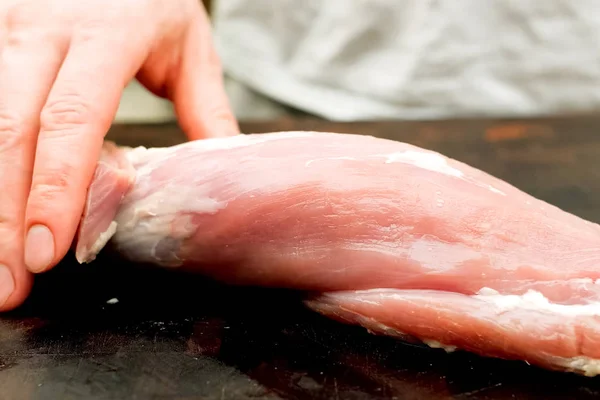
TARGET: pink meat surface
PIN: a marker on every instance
(398, 239)
(113, 177)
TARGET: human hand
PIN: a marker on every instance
(63, 67)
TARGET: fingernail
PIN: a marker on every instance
(7, 284)
(39, 248)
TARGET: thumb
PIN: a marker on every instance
(198, 91)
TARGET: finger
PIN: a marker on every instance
(29, 62)
(73, 123)
(198, 91)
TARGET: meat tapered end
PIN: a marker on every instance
(112, 179)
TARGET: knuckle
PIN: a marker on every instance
(7, 225)
(104, 25)
(224, 114)
(64, 113)
(10, 233)
(52, 184)
(19, 15)
(11, 132)
(25, 37)
(225, 119)
(15, 38)
(24, 25)
(91, 30)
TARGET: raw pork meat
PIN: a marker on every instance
(401, 240)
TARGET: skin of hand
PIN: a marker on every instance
(63, 67)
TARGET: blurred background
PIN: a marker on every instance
(140, 106)
(399, 59)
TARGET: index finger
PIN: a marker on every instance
(73, 123)
(29, 61)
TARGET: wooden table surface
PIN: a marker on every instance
(173, 336)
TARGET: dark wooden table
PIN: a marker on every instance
(173, 336)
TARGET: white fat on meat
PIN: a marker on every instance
(426, 160)
(155, 226)
(583, 365)
(534, 301)
(100, 242)
(377, 328)
(434, 344)
(433, 162)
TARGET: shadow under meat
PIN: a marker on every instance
(106, 327)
